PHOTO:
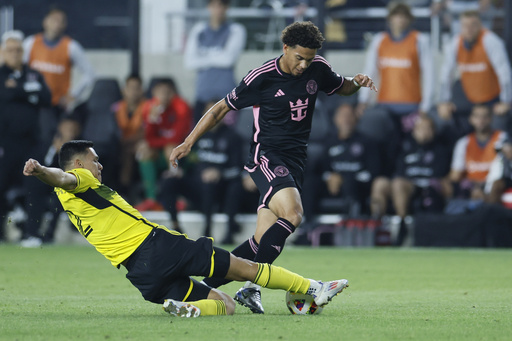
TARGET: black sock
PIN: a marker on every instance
(246, 250)
(272, 242)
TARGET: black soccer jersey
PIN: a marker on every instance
(422, 163)
(355, 158)
(283, 106)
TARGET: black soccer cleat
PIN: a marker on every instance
(250, 298)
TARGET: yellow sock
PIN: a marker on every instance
(276, 277)
(210, 307)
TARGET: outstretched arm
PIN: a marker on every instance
(351, 85)
(207, 122)
(50, 175)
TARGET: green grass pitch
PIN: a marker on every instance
(72, 292)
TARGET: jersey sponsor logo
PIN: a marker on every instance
(336, 150)
(472, 67)
(476, 166)
(428, 157)
(48, 67)
(356, 149)
(299, 109)
(311, 87)
(395, 62)
(281, 171)
(279, 93)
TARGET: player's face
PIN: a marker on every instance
(470, 28)
(480, 119)
(54, 24)
(423, 131)
(92, 163)
(12, 52)
(296, 59)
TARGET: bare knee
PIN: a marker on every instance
(228, 301)
(293, 216)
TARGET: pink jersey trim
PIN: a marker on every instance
(336, 89)
(277, 68)
(248, 80)
(250, 74)
(256, 115)
(231, 104)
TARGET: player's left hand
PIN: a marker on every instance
(365, 81)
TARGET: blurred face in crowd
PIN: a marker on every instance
(163, 93)
(12, 52)
(507, 150)
(470, 27)
(296, 60)
(345, 120)
(217, 12)
(54, 24)
(398, 23)
(423, 131)
(132, 91)
(481, 118)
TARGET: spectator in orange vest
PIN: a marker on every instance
(128, 113)
(474, 154)
(401, 59)
(481, 59)
(499, 178)
(55, 54)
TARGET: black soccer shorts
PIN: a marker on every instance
(272, 174)
(162, 265)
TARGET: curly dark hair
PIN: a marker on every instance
(302, 33)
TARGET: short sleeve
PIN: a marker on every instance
(84, 180)
(244, 95)
(329, 81)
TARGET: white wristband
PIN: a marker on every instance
(355, 83)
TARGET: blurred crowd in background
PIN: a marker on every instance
(404, 152)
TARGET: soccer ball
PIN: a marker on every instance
(301, 304)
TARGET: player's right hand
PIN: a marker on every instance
(178, 153)
(32, 168)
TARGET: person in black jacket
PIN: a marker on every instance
(350, 163)
(214, 182)
(22, 92)
(421, 173)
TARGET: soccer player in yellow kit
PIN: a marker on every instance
(159, 261)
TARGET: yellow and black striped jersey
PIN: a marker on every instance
(104, 218)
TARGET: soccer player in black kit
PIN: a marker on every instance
(283, 93)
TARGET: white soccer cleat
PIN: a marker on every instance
(181, 309)
(328, 291)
